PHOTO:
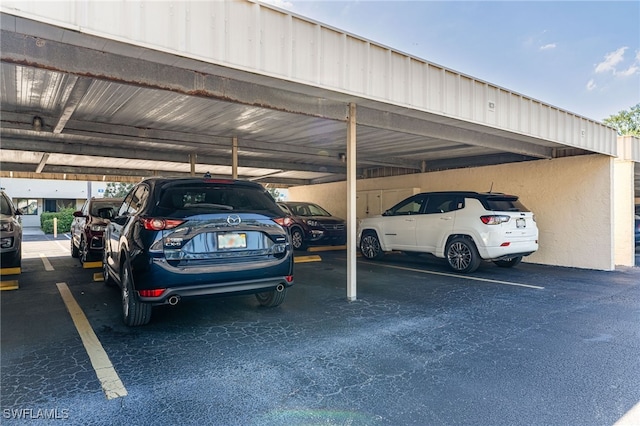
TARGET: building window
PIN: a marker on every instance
(28, 206)
(52, 205)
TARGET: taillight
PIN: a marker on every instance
(494, 219)
(283, 221)
(151, 293)
(156, 224)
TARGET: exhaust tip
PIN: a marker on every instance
(173, 300)
(280, 288)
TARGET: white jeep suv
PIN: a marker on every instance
(463, 227)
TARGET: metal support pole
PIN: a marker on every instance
(234, 159)
(351, 204)
(192, 161)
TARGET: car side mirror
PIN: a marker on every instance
(78, 214)
(19, 212)
(387, 213)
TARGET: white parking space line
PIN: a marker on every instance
(631, 418)
(109, 379)
(64, 247)
(45, 261)
(459, 276)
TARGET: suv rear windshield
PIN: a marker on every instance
(217, 198)
(504, 204)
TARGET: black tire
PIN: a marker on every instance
(17, 263)
(134, 312)
(462, 255)
(12, 261)
(84, 255)
(106, 276)
(271, 298)
(370, 245)
(297, 239)
(74, 250)
(508, 263)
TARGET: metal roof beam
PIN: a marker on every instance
(477, 161)
(399, 123)
(79, 89)
(43, 162)
(27, 170)
(63, 147)
(126, 136)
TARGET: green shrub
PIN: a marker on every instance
(65, 217)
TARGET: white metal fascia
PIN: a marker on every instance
(629, 148)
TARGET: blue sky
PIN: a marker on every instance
(581, 56)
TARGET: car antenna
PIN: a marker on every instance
(491, 189)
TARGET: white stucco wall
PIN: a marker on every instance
(53, 189)
(571, 198)
(623, 191)
(41, 189)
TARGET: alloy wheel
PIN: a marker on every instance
(459, 256)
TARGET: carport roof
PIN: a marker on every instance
(90, 106)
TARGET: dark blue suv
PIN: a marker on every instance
(178, 238)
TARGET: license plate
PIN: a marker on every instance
(521, 223)
(232, 240)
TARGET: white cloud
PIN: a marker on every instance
(611, 60)
(591, 85)
(548, 46)
(633, 69)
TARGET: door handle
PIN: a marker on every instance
(446, 218)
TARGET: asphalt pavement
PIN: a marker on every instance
(532, 345)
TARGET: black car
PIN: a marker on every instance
(10, 233)
(88, 225)
(313, 225)
(175, 238)
(637, 229)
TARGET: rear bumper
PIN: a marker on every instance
(210, 278)
(524, 248)
(229, 288)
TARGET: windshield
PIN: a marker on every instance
(506, 204)
(190, 199)
(307, 209)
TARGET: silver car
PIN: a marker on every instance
(10, 233)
